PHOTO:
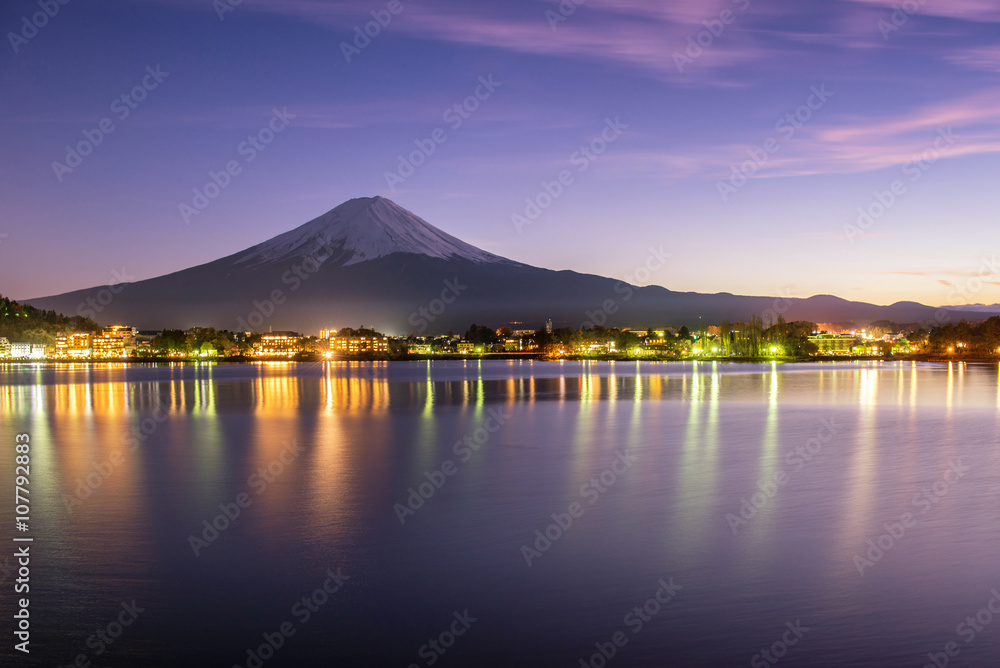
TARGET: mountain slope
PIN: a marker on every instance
(371, 262)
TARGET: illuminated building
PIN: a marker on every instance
(465, 347)
(278, 344)
(114, 341)
(354, 345)
(4, 347)
(24, 351)
(833, 344)
(73, 346)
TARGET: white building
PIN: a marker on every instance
(27, 351)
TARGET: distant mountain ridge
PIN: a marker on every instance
(370, 261)
(978, 308)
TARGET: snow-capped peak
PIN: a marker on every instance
(364, 229)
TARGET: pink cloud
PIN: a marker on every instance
(852, 146)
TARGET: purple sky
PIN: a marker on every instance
(902, 87)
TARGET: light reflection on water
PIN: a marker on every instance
(708, 436)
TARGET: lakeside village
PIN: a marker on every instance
(27, 333)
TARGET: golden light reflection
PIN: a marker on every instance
(900, 383)
(330, 495)
(769, 455)
(868, 387)
(949, 397)
(859, 498)
(656, 386)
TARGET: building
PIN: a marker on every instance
(73, 346)
(4, 347)
(144, 344)
(114, 341)
(548, 326)
(326, 334)
(833, 344)
(356, 345)
(278, 344)
(466, 347)
(872, 348)
(27, 351)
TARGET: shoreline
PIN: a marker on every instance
(161, 361)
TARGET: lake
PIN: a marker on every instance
(505, 513)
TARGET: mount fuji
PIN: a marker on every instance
(372, 262)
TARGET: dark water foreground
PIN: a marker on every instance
(505, 514)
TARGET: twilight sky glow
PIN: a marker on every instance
(926, 82)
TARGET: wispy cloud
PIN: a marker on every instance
(960, 127)
(967, 10)
(980, 58)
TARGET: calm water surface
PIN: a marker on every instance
(751, 491)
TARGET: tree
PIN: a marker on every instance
(481, 335)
